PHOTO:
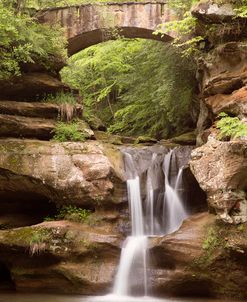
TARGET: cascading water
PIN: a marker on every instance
(162, 213)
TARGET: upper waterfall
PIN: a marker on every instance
(154, 184)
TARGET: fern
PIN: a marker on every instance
(230, 127)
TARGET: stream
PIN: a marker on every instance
(68, 298)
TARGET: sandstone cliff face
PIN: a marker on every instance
(221, 170)
(220, 167)
(62, 256)
(203, 258)
(74, 173)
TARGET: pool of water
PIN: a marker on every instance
(109, 298)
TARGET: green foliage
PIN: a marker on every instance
(230, 127)
(137, 87)
(241, 8)
(184, 28)
(181, 7)
(60, 98)
(25, 41)
(71, 131)
(42, 4)
(39, 236)
(73, 213)
(212, 240)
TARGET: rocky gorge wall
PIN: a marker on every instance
(205, 257)
(220, 166)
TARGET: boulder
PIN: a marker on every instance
(61, 257)
(172, 255)
(221, 171)
(88, 173)
(188, 138)
(203, 258)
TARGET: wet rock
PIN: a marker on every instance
(221, 170)
(203, 258)
(61, 257)
(77, 173)
(145, 139)
(172, 255)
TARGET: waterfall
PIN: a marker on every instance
(161, 213)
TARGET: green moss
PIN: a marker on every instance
(27, 236)
(71, 213)
(220, 238)
(145, 139)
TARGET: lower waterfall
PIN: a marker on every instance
(154, 184)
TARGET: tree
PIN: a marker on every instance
(25, 41)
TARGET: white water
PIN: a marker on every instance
(135, 246)
(174, 209)
(163, 215)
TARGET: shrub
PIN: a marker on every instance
(60, 98)
(73, 213)
(25, 41)
(64, 132)
(230, 127)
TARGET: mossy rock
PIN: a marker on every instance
(108, 138)
(188, 138)
(94, 122)
(145, 139)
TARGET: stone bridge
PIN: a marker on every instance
(89, 24)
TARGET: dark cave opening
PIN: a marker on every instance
(6, 282)
(194, 197)
(20, 208)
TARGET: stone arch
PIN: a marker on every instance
(88, 39)
(86, 25)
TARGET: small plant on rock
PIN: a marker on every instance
(73, 213)
(60, 98)
(38, 240)
(64, 132)
(230, 127)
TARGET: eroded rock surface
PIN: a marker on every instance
(76, 173)
(221, 170)
(31, 86)
(62, 256)
(203, 258)
(36, 109)
(223, 78)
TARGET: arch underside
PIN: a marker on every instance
(93, 37)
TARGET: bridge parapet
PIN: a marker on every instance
(90, 24)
